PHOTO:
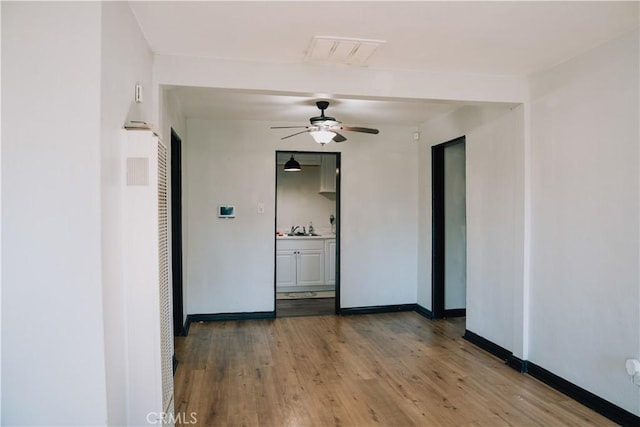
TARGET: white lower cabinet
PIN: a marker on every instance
(299, 263)
(311, 267)
(286, 268)
(330, 262)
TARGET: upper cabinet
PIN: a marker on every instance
(328, 174)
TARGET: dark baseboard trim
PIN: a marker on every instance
(456, 312)
(580, 395)
(486, 345)
(424, 311)
(175, 363)
(221, 317)
(518, 364)
(185, 327)
(378, 309)
(588, 399)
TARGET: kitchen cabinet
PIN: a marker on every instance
(299, 264)
(310, 267)
(328, 174)
(286, 268)
(330, 261)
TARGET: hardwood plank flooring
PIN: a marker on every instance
(396, 369)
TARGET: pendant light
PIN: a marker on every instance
(292, 165)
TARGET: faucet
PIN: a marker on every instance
(293, 229)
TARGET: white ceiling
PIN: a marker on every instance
(505, 38)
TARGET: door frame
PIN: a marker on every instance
(176, 234)
(337, 155)
(438, 310)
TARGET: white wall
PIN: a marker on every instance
(126, 60)
(495, 229)
(585, 311)
(353, 81)
(52, 336)
(379, 214)
(231, 262)
(171, 116)
(0, 220)
(494, 139)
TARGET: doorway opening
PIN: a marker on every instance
(176, 233)
(449, 244)
(307, 228)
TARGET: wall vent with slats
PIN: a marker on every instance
(166, 312)
(137, 171)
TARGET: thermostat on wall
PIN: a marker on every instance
(226, 211)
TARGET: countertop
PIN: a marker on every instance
(326, 236)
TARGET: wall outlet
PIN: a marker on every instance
(260, 208)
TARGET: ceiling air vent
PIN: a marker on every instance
(342, 50)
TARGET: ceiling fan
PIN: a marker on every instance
(325, 129)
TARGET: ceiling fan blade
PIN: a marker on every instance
(288, 127)
(358, 129)
(339, 138)
(294, 134)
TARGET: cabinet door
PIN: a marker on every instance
(330, 262)
(310, 267)
(328, 174)
(286, 268)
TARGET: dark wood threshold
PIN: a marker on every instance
(378, 309)
(306, 307)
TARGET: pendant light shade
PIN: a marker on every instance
(292, 165)
(322, 136)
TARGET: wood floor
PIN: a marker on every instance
(305, 307)
(396, 369)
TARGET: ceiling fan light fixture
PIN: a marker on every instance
(322, 136)
(322, 127)
(292, 165)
